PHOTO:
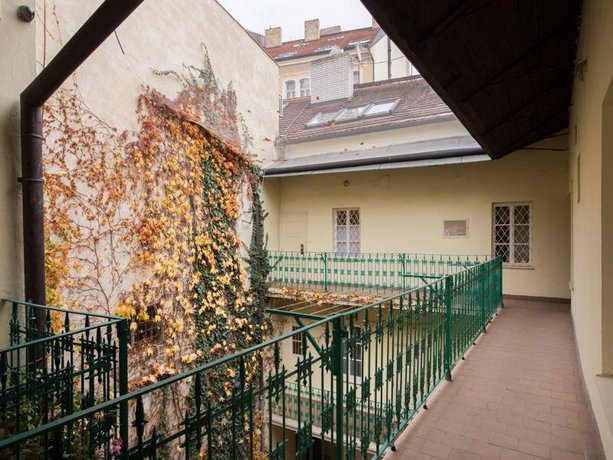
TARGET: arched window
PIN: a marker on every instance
(305, 87)
(290, 89)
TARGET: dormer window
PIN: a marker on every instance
(290, 89)
(305, 87)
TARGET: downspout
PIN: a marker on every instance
(83, 43)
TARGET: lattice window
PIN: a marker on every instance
(148, 330)
(352, 361)
(297, 342)
(512, 233)
(347, 231)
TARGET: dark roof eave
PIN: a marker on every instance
(343, 165)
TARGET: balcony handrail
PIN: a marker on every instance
(486, 299)
(63, 310)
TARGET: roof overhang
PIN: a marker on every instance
(449, 150)
(504, 67)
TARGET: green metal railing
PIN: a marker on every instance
(373, 369)
(78, 360)
(372, 272)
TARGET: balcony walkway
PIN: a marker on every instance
(518, 395)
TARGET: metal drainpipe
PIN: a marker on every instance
(85, 41)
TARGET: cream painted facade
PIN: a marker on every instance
(402, 210)
(389, 60)
(17, 48)
(380, 138)
(591, 179)
(297, 69)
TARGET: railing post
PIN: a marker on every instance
(122, 332)
(448, 322)
(482, 297)
(338, 336)
(325, 259)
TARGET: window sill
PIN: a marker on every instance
(517, 267)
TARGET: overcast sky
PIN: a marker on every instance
(258, 15)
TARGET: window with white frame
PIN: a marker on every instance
(356, 77)
(347, 231)
(352, 358)
(290, 89)
(305, 87)
(297, 342)
(512, 232)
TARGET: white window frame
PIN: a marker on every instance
(297, 342)
(290, 93)
(349, 362)
(306, 90)
(512, 205)
(359, 77)
(347, 241)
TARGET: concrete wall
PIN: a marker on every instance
(17, 48)
(165, 35)
(591, 128)
(403, 210)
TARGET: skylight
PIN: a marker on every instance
(353, 113)
(380, 108)
(323, 118)
(286, 55)
(359, 42)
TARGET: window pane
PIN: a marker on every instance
(341, 247)
(354, 233)
(503, 234)
(503, 251)
(522, 214)
(522, 253)
(341, 217)
(522, 234)
(501, 215)
(354, 217)
(354, 248)
(381, 108)
(341, 233)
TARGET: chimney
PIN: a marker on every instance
(272, 37)
(332, 77)
(311, 30)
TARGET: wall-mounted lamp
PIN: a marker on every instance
(346, 183)
(25, 13)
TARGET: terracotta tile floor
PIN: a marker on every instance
(518, 395)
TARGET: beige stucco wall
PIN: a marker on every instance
(165, 35)
(17, 48)
(366, 141)
(403, 210)
(592, 294)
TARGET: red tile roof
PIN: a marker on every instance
(418, 104)
(301, 48)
